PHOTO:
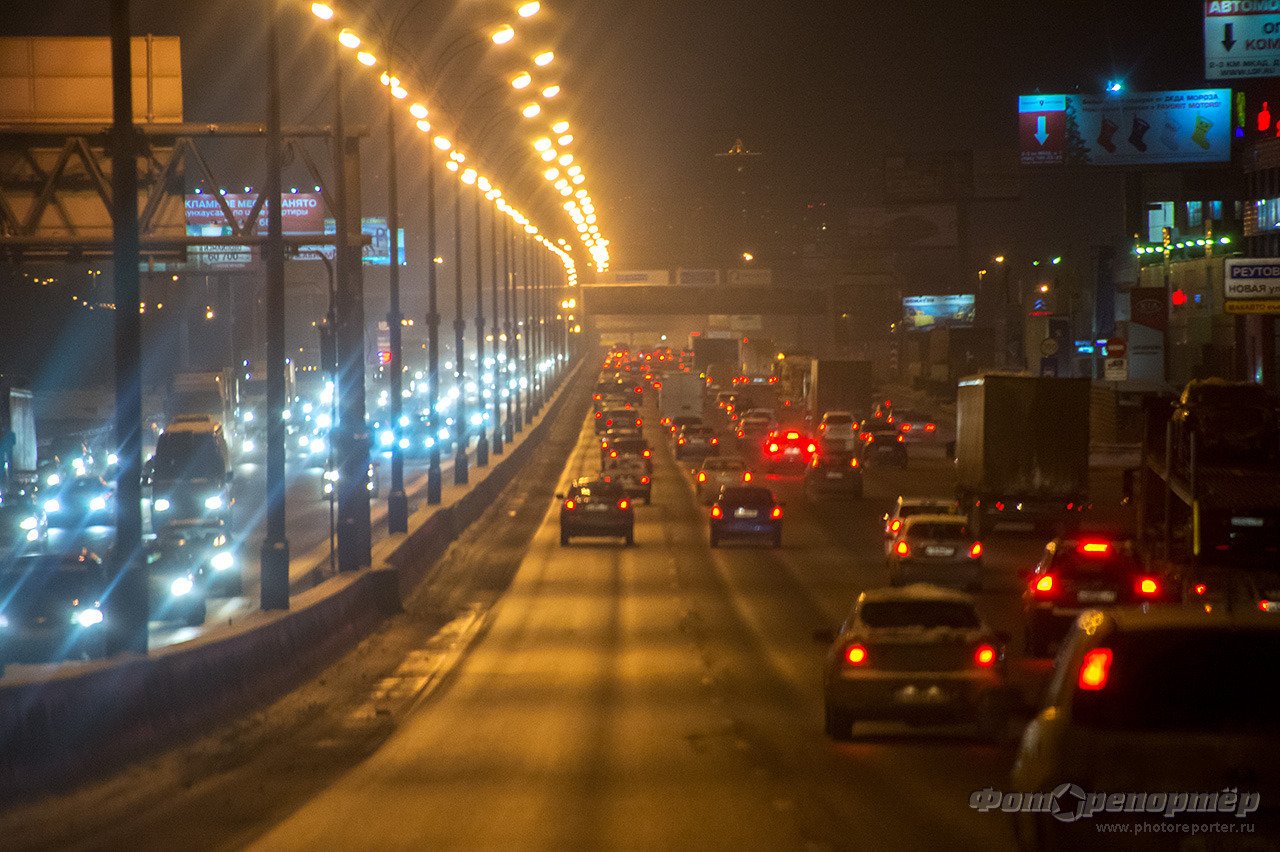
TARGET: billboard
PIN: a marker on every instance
(698, 277)
(1241, 39)
(1130, 129)
(921, 313)
(1251, 285)
(377, 252)
(301, 213)
(659, 277)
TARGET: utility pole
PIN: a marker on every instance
(513, 393)
(397, 501)
(460, 476)
(434, 483)
(482, 442)
(129, 597)
(496, 325)
(274, 556)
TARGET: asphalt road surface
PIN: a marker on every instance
(590, 696)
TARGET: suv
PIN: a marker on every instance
(1168, 698)
(838, 429)
(1076, 574)
(190, 475)
(52, 609)
(596, 508)
(1234, 424)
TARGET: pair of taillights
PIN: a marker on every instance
(717, 512)
(1046, 585)
(702, 476)
(622, 504)
(984, 656)
(902, 548)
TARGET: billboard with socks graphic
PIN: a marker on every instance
(1126, 129)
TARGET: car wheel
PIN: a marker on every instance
(715, 540)
(1033, 643)
(648, 499)
(630, 539)
(777, 540)
(564, 539)
(838, 723)
(993, 717)
(197, 614)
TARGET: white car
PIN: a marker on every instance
(717, 472)
(838, 430)
(1155, 699)
(905, 507)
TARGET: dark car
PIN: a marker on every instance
(23, 528)
(178, 573)
(1077, 574)
(788, 450)
(834, 473)
(593, 507)
(631, 473)
(882, 443)
(51, 609)
(746, 512)
(612, 418)
(86, 501)
(696, 441)
(615, 447)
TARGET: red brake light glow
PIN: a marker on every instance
(702, 476)
(1148, 586)
(644, 480)
(1044, 584)
(812, 448)
(773, 448)
(613, 454)
(647, 454)
(896, 524)
(931, 427)
(853, 462)
(791, 436)
(984, 656)
(1097, 548)
(906, 427)
(1201, 588)
(717, 512)
(570, 505)
(623, 504)
(776, 513)
(855, 655)
(1094, 669)
(746, 476)
(902, 549)
(976, 550)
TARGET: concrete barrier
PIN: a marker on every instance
(85, 721)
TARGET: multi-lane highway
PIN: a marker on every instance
(591, 696)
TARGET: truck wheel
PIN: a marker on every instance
(838, 723)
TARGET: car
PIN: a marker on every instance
(52, 609)
(593, 507)
(177, 578)
(833, 473)
(84, 501)
(675, 424)
(919, 654)
(717, 472)
(696, 440)
(611, 418)
(753, 430)
(23, 526)
(632, 474)
(1155, 699)
(787, 450)
(618, 446)
(905, 507)
(938, 549)
(1084, 572)
(1242, 585)
(916, 427)
(746, 511)
(838, 430)
(882, 442)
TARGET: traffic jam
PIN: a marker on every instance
(1027, 598)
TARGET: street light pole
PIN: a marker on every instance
(482, 442)
(434, 476)
(460, 476)
(526, 333)
(509, 265)
(130, 593)
(397, 500)
(497, 331)
(274, 556)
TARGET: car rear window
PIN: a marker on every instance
(1190, 680)
(838, 419)
(938, 530)
(908, 509)
(723, 464)
(924, 614)
(599, 490)
(747, 496)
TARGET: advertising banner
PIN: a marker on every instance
(301, 213)
(1251, 285)
(1241, 39)
(921, 313)
(376, 253)
(1130, 129)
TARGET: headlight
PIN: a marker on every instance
(324, 420)
(113, 459)
(33, 535)
(404, 443)
(477, 419)
(29, 523)
(53, 505)
(78, 465)
(248, 445)
(161, 505)
(213, 503)
(53, 480)
(307, 408)
(88, 617)
(317, 445)
(98, 504)
(286, 415)
(303, 441)
(181, 586)
(386, 437)
(4, 621)
(223, 561)
(248, 417)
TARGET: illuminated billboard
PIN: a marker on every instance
(921, 313)
(1126, 129)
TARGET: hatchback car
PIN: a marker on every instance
(696, 441)
(593, 507)
(882, 443)
(919, 654)
(51, 609)
(744, 511)
(717, 472)
(86, 501)
(788, 450)
(632, 474)
(1156, 699)
(838, 429)
(937, 549)
(834, 473)
(905, 507)
(1076, 574)
(611, 418)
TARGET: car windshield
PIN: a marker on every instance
(723, 464)
(598, 491)
(1187, 680)
(188, 455)
(34, 581)
(938, 530)
(926, 614)
(909, 509)
(838, 420)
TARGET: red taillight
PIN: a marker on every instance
(984, 656)
(570, 505)
(902, 549)
(639, 389)
(1094, 669)
(609, 422)
(901, 440)
(717, 512)
(822, 427)
(976, 550)
(613, 454)
(646, 454)
(895, 525)
(792, 436)
(865, 436)
(739, 433)
(597, 397)
(624, 504)
(715, 441)
(812, 448)
(853, 462)
(702, 476)
(1095, 548)
(680, 440)
(599, 415)
(931, 427)
(773, 448)
(644, 480)
(776, 513)
(906, 427)
(1043, 585)
(1147, 586)
(1201, 588)
(639, 422)
(855, 655)
(746, 476)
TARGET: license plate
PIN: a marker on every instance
(791, 451)
(745, 513)
(934, 550)
(834, 474)
(597, 507)
(1096, 597)
(930, 694)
